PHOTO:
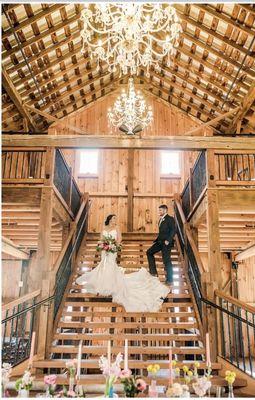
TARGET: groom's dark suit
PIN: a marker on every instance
(166, 233)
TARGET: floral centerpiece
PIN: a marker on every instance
(24, 384)
(6, 374)
(201, 386)
(178, 390)
(111, 371)
(109, 244)
(71, 366)
(133, 385)
(50, 382)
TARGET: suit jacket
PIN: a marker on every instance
(166, 229)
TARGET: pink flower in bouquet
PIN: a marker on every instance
(50, 379)
(125, 373)
(141, 385)
(106, 247)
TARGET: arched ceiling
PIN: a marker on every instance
(211, 73)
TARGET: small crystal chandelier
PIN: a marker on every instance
(130, 112)
(130, 35)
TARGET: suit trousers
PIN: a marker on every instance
(166, 256)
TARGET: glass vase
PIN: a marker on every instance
(23, 393)
(153, 392)
(108, 392)
(71, 383)
(230, 392)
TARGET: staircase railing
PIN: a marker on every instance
(21, 316)
(234, 320)
(195, 268)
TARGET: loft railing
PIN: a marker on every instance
(237, 168)
(28, 167)
(234, 320)
(226, 168)
(237, 326)
(21, 316)
(17, 327)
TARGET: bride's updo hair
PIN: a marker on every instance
(108, 219)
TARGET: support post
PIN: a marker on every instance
(213, 243)
(130, 188)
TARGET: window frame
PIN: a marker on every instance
(87, 174)
(170, 175)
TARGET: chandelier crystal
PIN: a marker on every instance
(130, 112)
(130, 35)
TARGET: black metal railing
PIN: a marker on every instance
(237, 326)
(65, 183)
(185, 197)
(188, 254)
(18, 320)
(195, 185)
(66, 266)
(235, 167)
(17, 327)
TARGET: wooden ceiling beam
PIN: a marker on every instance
(10, 248)
(44, 52)
(185, 49)
(223, 17)
(41, 36)
(247, 253)
(28, 21)
(210, 32)
(117, 142)
(17, 100)
(244, 108)
(217, 53)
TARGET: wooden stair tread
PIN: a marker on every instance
(169, 296)
(128, 325)
(99, 350)
(109, 304)
(116, 314)
(129, 336)
(93, 364)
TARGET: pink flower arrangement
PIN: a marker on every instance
(50, 379)
(108, 244)
(125, 373)
(141, 384)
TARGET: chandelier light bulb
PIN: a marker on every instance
(130, 111)
(132, 35)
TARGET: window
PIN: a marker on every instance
(170, 163)
(88, 162)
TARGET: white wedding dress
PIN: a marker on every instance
(138, 291)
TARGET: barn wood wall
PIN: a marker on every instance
(11, 275)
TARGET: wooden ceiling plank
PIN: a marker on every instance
(17, 100)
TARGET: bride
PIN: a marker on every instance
(138, 291)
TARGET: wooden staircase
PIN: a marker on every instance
(96, 319)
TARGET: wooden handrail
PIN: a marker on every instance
(234, 301)
(20, 300)
(69, 237)
(190, 238)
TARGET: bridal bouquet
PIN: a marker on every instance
(108, 244)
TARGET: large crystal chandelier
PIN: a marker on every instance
(130, 112)
(130, 35)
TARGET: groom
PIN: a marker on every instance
(163, 243)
